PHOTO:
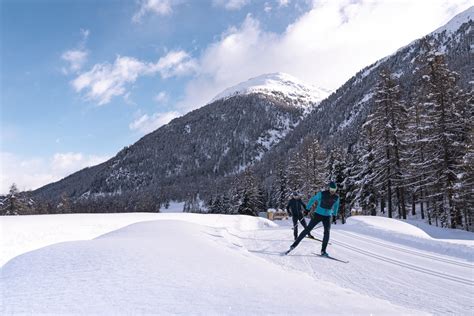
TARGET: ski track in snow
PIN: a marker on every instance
(399, 274)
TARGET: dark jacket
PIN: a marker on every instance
(327, 204)
(295, 206)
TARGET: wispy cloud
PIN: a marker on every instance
(76, 58)
(267, 7)
(161, 97)
(231, 4)
(33, 173)
(146, 124)
(105, 81)
(158, 7)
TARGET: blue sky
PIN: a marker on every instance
(82, 79)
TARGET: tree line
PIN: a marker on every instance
(414, 155)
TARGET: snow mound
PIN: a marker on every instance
(274, 84)
(387, 224)
(21, 234)
(400, 232)
(167, 267)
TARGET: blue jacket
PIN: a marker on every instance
(320, 210)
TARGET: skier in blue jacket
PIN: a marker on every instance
(326, 204)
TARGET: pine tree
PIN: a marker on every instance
(313, 161)
(15, 203)
(352, 171)
(282, 192)
(386, 122)
(446, 136)
(465, 197)
(336, 167)
(295, 172)
(251, 199)
(415, 135)
(365, 178)
(226, 207)
(64, 205)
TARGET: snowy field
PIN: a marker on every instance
(176, 263)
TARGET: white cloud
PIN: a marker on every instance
(267, 7)
(231, 4)
(161, 97)
(85, 36)
(105, 81)
(146, 124)
(324, 46)
(158, 7)
(283, 3)
(32, 173)
(76, 57)
(175, 63)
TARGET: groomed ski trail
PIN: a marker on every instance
(399, 273)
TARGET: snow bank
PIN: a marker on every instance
(405, 233)
(20, 234)
(169, 267)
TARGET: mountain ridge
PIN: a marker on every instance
(198, 153)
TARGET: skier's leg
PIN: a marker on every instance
(295, 225)
(303, 222)
(312, 223)
(327, 227)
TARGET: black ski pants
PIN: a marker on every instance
(298, 217)
(315, 220)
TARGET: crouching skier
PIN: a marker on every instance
(295, 209)
(326, 204)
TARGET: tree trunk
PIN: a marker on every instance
(389, 198)
(421, 204)
(428, 212)
(404, 207)
(399, 208)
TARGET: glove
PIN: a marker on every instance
(305, 212)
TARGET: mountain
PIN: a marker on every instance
(187, 155)
(255, 123)
(278, 84)
(337, 120)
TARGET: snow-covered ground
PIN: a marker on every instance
(180, 263)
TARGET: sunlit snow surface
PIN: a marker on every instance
(180, 263)
(285, 84)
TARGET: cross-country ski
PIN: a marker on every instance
(330, 257)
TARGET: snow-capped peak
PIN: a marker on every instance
(454, 24)
(289, 86)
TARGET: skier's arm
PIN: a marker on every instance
(288, 208)
(335, 208)
(304, 206)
